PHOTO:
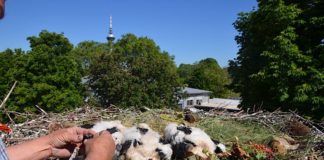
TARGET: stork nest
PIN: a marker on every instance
(36, 125)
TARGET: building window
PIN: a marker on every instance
(189, 102)
(198, 102)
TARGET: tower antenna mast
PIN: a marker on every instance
(111, 36)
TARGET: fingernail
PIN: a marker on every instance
(100, 133)
(88, 136)
(103, 132)
(80, 137)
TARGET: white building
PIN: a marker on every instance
(194, 97)
(201, 99)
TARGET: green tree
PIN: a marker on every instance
(47, 75)
(279, 63)
(85, 52)
(208, 75)
(134, 73)
(185, 72)
(8, 60)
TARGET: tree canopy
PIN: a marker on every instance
(206, 74)
(185, 72)
(8, 61)
(280, 60)
(47, 76)
(85, 52)
(135, 72)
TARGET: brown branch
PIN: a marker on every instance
(41, 109)
(307, 122)
(6, 98)
(11, 120)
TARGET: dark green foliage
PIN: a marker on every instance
(208, 75)
(47, 75)
(134, 73)
(280, 61)
(8, 60)
(84, 54)
(185, 71)
(85, 51)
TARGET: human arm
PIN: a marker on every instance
(52, 145)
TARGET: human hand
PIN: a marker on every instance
(58, 144)
(63, 141)
(101, 147)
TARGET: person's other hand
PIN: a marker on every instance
(101, 147)
(63, 141)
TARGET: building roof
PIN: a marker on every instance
(189, 90)
(221, 103)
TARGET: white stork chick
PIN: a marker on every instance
(116, 129)
(199, 142)
(133, 140)
(190, 140)
(145, 152)
(152, 145)
(164, 151)
(135, 134)
(172, 135)
(141, 142)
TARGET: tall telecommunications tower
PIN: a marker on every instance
(111, 36)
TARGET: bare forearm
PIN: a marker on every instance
(54, 145)
(33, 150)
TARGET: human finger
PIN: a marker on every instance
(61, 153)
(84, 131)
(101, 145)
(76, 134)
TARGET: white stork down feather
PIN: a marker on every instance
(115, 128)
(143, 143)
(187, 141)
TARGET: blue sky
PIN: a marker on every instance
(190, 30)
